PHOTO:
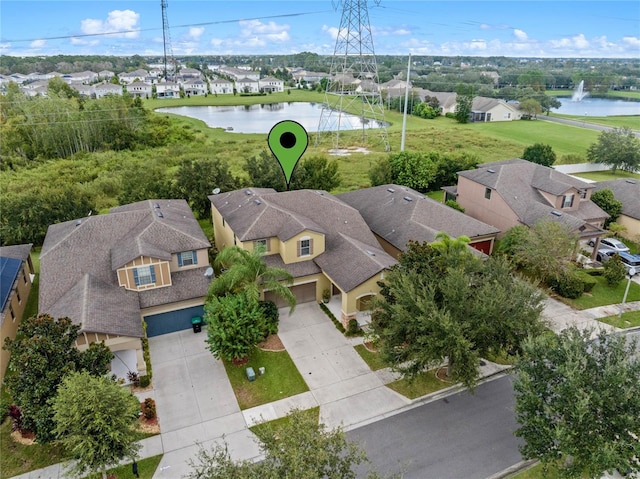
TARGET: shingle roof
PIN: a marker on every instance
(399, 214)
(626, 190)
(18, 251)
(187, 284)
(79, 259)
(520, 182)
(260, 213)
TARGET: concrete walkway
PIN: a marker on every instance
(197, 407)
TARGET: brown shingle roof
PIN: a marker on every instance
(626, 190)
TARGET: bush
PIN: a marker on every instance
(455, 205)
(271, 317)
(133, 378)
(353, 327)
(567, 284)
(144, 381)
(149, 408)
(588, 280)
(337, 323)
(614, 270)
(15, 413)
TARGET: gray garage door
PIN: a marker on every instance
(304, 293)
(172, 321)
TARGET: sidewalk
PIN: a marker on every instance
(348, 393)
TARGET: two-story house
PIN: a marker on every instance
(323, 242)
(167, 90)
(141, 266)
(247, 85)
(271, 84)
(517, 192)
(139, 89)
(627, 191)
(16, 277)
(220, 86)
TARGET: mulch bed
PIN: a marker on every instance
(149, 426)
(369, 346)
(441, 374)
(272, 343)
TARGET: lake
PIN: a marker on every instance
(261, 118)
(597, 107)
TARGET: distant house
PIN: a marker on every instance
(16, 277)
(127, 78)
(220, 86)
(324, 243)
(194, 88)
(167, 90)
(491, 109)
(106, 75)
(247, 85)
(141, 263)
(626, 190)
(397, 214)
(139, 89)
(517, 192)
(271, 85)
(104, 89)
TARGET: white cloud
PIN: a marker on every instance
(332, 31)
(520, 35)
(84, 42)
(632, 42)
(117, 21)
(195, 32)
(256, 31)
(37, 44)
(402, 31)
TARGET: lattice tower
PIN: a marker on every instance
(166, 37)
(353, 85)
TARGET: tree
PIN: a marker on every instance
(95, 421)
(464, 100)
(614, 270)
(577, 400)
(617, 148)
(606, 200)
(195, 180)
(442, 303)
(143, 183)
(246, 271)
(531, 108)
(539, 153)
(299, 448)
(42, 354)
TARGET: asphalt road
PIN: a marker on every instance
(581, 124)
(461, 436)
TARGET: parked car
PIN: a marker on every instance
(605, 253)
(612, 243)
(630, 261)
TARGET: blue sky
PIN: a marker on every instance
(542, 28)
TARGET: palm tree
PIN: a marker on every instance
(455, 251)
(246, 271)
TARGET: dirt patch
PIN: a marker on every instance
(441, 374)
(138, 389)
(25, 438)
(272, 343)
(369, 346)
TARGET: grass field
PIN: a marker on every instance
(602, 294)
(606, 175)
(423, 384)
(371, 358)
(630, 319)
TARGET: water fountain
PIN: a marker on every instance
(579, 94)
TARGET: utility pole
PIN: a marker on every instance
(353, 85)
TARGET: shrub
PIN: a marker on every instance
(271, 317)
(587, 280)
(567, 284)
(614, 270)
(15, 413)
(144, 381)
(455, 205)
(133, 378)
(149, 408)
(353, 327)
(337, 323)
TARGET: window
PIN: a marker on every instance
(24, 277)
(583, 194)
(187, 258)
(144, 275)
(13, 315)
(304, 247)
(487, 193)
(263, 242)
(18, 297)
(567, 202)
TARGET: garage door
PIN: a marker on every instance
(172, 321)
(304, 293)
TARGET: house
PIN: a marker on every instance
(106, 75)
(271, 84)
(247, 85)
(626, 190)
(103, 89)
(485, 109)
(139, 268)
(194, 88)
(397, 214)
(139, 89)
(221, 86)
(16, 277)
(517, 192)
(127, 78)
(167, 90)
(323, 242)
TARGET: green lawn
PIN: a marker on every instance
(372, 359)
(423, 384)
(536, 472)
(146, 469)
(606, 175)
(436, 195)
(314, 412)
(627, 320)
(281, 379)
(603, 294)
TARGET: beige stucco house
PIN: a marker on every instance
(485, 109)
(323, 242)
(626, 190)
(517, 192)
(16, 276)
(139, 270)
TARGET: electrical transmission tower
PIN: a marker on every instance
(353, 85)
(166, 37)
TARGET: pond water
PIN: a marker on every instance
(597, 107)
(261, 118)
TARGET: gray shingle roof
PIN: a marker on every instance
(626, 190)
(519, 183)
(397, 220)
(18, 251)
(79, 259)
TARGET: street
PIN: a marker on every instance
(461, 436)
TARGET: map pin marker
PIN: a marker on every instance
(288, 140)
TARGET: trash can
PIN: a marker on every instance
(196, 323)
(251, 374)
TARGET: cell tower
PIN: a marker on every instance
(353, 80)
(166, 37)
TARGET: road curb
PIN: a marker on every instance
(519, 467)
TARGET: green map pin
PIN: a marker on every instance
(288, 140)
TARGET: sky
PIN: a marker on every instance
(541, 28)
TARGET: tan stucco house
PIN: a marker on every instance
(140, 267)
(517, 192)
(323, 242)
(626, 190)
(398, 214)
(16, 277)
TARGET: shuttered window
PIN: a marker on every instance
(305, 247)
(144, 275)
(187, 258)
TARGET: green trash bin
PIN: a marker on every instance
(196, 323)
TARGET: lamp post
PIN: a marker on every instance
(632, 272)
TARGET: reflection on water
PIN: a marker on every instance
(597, 107)
(261, 118)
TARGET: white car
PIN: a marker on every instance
(611, 243)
